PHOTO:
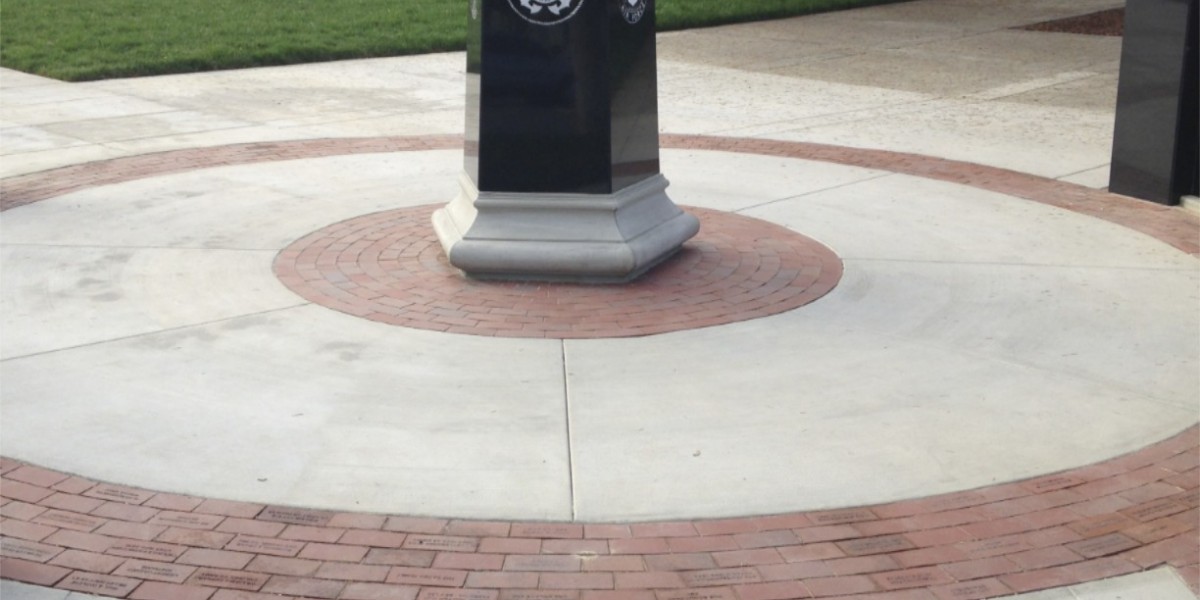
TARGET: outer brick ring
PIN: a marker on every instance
(389, 267)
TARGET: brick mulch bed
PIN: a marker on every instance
(1106, 22)
(389, 267)
(1121, 516)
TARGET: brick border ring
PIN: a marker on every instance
(388, 267)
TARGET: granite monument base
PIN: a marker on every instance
(586, 238)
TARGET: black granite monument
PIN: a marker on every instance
(561, 173)
(1155, 141)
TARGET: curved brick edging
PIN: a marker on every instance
(1132, 513)
(390, 268)
(1170, 225)
(1120, 516)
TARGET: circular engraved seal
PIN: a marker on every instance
(632, 10)
(546, 12)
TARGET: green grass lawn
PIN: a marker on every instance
(80, 40)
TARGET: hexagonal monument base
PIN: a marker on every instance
(600, 238)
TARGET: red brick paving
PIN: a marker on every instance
(1121, 516)
(389, 267)
(897, 550)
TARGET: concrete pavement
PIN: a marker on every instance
(976, 337)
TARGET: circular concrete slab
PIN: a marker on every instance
(975, 338)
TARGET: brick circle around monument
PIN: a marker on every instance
(389, 267)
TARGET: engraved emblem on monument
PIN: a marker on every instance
(633, 10)
(546, 12)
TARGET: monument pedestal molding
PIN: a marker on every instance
(587, 237)
(561, 170)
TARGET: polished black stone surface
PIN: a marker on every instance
(1155, 141)
(563, 107)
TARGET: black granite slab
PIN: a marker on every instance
(561, 102)
(1156, 147)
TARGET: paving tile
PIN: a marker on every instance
(298, 586)
(378, 591)
(154, 590)
(210, 557)
(101, 585)
(647, 581)
(922, 577)
(155, 571)
(32, 572)
(27, 550)
(81, 560)
(426, 577)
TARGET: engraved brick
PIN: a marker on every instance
(546, 530)
(295, 516)
(841, 517)
(518, 594)
(69, 520)
(1152, 511)
(95, 583)
(993, 547)
(1158, 530)
(972, 590)
(27, 550)
(118, 493)
(1103, 546)
(766, 539)
(720, 577)
(186, 520)
(427, 577)
(155, 571)
(1101, 525)
(923, 577)
(714, 593)
(449, 594)
(146, 550)
(542, 562)
(221, 578)
(441, 543)
(875, 545)
(257, 545)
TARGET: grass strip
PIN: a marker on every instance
(81, 40)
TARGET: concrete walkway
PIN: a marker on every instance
(1003, 339)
